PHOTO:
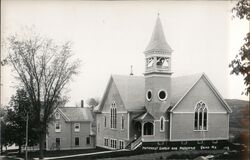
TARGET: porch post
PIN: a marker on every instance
(142, 126)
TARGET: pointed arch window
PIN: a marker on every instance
(200, 117)
(205, 119)
(113, 116)
(162, 124)
(122, 123)
(105, 121)
(196, 119)
(57, 115)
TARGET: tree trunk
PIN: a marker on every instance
(6, 150)
(19, 148)
(41, 145)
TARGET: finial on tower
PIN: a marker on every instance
(158, 14)
(131, 70)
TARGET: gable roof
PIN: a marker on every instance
(76, 114)
(180, 85)
(145, 117)
(215, 91)
(132, 90)
(128, 87)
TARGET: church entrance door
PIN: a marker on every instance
(148, 128)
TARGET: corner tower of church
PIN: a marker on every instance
(157, 72)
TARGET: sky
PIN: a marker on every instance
(110, 36)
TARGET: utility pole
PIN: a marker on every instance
(1, 135)
(26, 144)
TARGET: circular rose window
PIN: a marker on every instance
(149, 95)
(162, 95)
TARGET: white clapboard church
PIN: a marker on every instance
(157, 109)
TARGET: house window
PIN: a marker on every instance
(87, 140)
(98, 127)
(200, 117)
(122, 122)
(121, 144)
(57, 115)
(76, 141)
(57, 127)
(58, 142)
(105, 121)
(106, 142)
(113, 116)
(162, 126)
(113, 143)
(77, 127)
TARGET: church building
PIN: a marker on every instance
(158, 108)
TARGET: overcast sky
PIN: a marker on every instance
(110, 36)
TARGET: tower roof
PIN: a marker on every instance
(158, 41)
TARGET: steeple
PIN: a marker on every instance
(158, 42)
(157, 72)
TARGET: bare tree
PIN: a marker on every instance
(44, 69)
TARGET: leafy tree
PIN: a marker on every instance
(92, 102)
(16, 119)
(4, 130)
(43, 69)
(241, 63)
(242, 9)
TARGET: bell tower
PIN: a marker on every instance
(157, 72)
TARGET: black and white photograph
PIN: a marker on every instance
(125, 80)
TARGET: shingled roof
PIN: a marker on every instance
(158, 41)
(132, 90)
(76, 114)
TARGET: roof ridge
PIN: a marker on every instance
(72, 107)
(124, 75)
(140, 76)
(193, 74)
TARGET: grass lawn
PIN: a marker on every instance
(114, 155)
(7, 158)
(148, 155)
(187, 155)
(140, 154)
(56, 153)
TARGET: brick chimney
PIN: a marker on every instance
(82, 103)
